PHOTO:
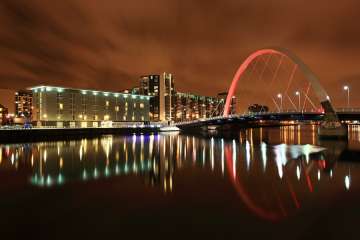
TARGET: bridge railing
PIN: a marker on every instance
(245, 114)
(350, 110)
(250, 114)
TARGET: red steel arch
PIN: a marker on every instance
(309, 75)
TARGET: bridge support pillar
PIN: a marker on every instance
(331, 127)
(332, 130)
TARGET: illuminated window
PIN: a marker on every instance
(142, 118)
(124, 117)
(107, 103)
(133, 118)
(126, 104)
(61, 106)
(134, 105)
(117, 108)
(106, 117)
(141, 105)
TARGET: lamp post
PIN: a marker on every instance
(281, 101)
(347, 89)
(297, 93)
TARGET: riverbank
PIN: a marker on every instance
(52, 134)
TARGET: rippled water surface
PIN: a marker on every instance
(272, 183)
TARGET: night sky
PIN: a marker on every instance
(108, 44)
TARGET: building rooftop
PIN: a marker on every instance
(48, 88)
(192, 95)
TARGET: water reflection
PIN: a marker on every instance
(274, 171)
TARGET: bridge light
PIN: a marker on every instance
(347, 89)
(281, 101)
(297, 93)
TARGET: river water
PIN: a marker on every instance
(273, 183)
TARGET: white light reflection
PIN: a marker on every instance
(48, 180)
(193, 150)
(347, 182)
(151, 144)
(264, 154)
(298, 172)
(203, 155)
(81, 153)
(45, 155)
(212, 154)
(234, 158)
(60, 179)
(222, 157)
(280, 158)
(84, 175)
(248, 158)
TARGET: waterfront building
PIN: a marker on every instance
(3, 114)
(68, 107)
(161, 89)
(223, 96)
(23, 104)
(167, 104)
(189, 106)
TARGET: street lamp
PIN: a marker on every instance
(281, 101)
(347, 89)
(297, 93)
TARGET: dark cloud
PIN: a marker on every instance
(109, 44)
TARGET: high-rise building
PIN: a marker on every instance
(23, 104)
(150, 86)
(223, 95)
(161, 89)
(58, 106)
(169, 96)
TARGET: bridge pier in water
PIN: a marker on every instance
(331, 127)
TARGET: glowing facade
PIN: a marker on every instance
(65, 107)
(23, 103)
(161, 89)
(189, 106)
(3, 114)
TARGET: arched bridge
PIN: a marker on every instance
(328, 116)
